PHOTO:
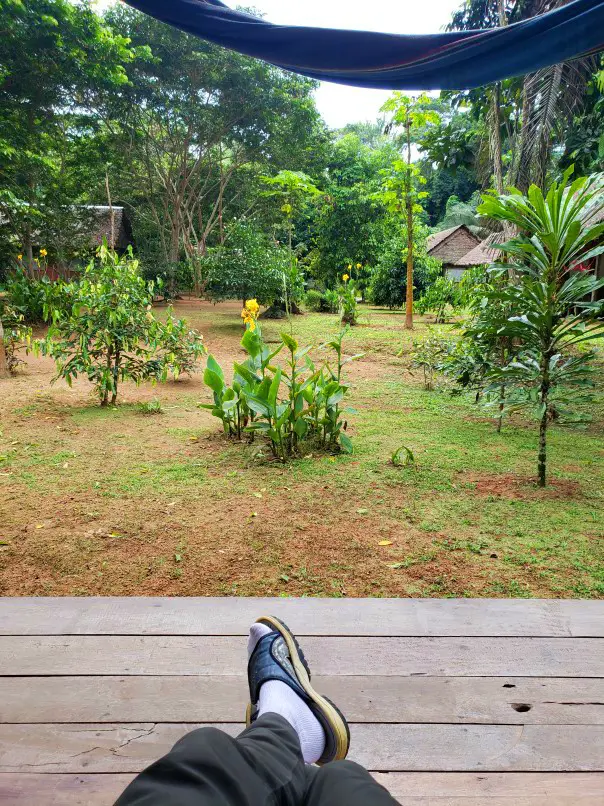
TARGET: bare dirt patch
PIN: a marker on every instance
(510, 485)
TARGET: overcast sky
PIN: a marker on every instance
(337, 104)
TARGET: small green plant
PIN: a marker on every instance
(440, 297)
(253, 405)
(180, 347)
(110, 334)
(429, 354)
(332, 300)
(402, 457)
(150, 407)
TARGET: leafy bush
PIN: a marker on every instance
(389, 276)
(310, 411)
(441, 294)
(327, 301)
(331, 300)
(314, 300)
(35, 297)
(180, 348)
(429, 354)
(15, 336)
(110, 333)
(247, 262)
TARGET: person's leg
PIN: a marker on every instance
(207, 767)
(344, 782)
(290, 726)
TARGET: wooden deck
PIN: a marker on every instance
(451, 702)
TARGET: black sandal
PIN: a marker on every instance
(278, 656)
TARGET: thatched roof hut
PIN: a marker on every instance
(482, 254)
(450, 245)
(110, 224)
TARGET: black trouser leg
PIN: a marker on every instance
(344, 783)
(261, 767)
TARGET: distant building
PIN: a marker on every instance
(450, 245)
(117, 233)
(481, 255)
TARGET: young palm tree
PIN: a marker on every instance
(552, 295)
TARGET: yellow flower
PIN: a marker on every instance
(252, 325)
(345, 277)
(252, 306)
(244, 314)
(43, 252)
(349, 266)
(359, 265)
(19, 257)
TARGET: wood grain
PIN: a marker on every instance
(232, 616)
(128, 748)
(486, 700)
(195, 655)
(413, 789)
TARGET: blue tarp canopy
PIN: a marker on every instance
(456, 60)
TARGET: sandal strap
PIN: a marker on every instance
(270, 661)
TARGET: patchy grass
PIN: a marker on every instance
(109, 501)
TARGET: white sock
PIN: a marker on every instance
(278, 698)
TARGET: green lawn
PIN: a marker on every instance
(113, 502)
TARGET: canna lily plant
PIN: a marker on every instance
(310, 412)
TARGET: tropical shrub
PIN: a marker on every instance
(314, 300)
(179, 347)
(331, 300)
(550, 297)
(440, 297)
(110, 334)
(387, 285)
(252, 404)
(429, 354)
(33, 297)
(247, 261)
(15, 336)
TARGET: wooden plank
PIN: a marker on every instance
(232, 616)
(128, 748)
(551, 701)
(195, 655)
(412, 789)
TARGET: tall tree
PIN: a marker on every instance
(51, 53)
(526, 115)
(411, 115)
(193, 118)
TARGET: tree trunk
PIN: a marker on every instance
(29, 251)
(544, 396)
(105, 396)
(409, 207)
(4, 373)
(111, 212)
(116, 367)
(541, 464)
